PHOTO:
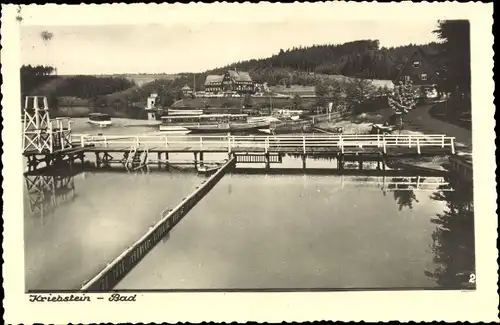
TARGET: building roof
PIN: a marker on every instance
(235, 75)
(186, 87)
(214, 78)
(240, 75)
(423, 56)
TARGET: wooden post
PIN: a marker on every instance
(201, 158)
(229, 142)
(159, 159)
(304, 144)
(418, 145)
(452, 145)
(360, 162)
(268, 163)
(195, 159)
(304, 161)
(97, 159)
(442, 143)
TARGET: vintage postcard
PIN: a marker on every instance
(248, 162)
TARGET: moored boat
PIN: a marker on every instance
(99, 119)
(229, 127)
(211, 123)
(180, 112)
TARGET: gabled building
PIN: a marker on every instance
(186, 90)
(418, 69)
(231, 82)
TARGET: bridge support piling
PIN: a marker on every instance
(340, 162)
(195, 159)
(360, 162)
(159, 159)
(97, 159)
(268, 162)
(304, 158)
(201, 158)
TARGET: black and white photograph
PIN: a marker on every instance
(209, 155)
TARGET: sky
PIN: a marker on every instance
(196, 47)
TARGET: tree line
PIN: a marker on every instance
(360, 59)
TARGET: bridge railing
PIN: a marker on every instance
(266, 143)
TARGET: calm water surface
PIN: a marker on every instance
(105, 215)
(257, 232)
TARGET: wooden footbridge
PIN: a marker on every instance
(46, 143)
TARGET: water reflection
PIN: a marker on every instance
(46, 193)
(453, 239)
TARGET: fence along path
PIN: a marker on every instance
(266, 144)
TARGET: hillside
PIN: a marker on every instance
(138, 79)
(305, 65)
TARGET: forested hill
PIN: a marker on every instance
(362, 59)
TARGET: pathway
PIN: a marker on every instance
(420, 120)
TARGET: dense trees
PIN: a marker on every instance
(343, 94)
(305, 65)
(455, 35)
(89, 87)
(34, 76)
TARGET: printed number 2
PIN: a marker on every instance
(472, 278)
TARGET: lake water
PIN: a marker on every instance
(254, 232)
(251, 231)
(106, 214)
(282, 232)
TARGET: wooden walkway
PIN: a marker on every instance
(389, 144)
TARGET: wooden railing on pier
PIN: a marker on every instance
(118, 268)
(292, 144)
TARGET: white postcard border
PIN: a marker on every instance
(196, 307)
